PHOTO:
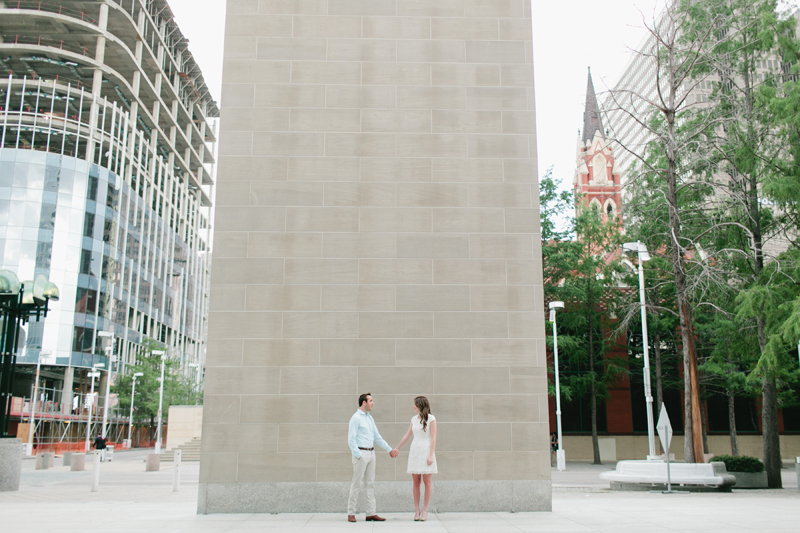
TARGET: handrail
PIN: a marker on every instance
(46, 41)
(50, 8)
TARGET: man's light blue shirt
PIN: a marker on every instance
(362, 433)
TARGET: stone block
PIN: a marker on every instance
(503, 352)
(263, 244)
(469, 271)
(252, 431)
(390, 120)
(67, 459)
(300, 271)
(501, 246)
(360, 194)
(502, 98)
(396, 27)
(476, 380)
(360, 245)
(322, 72)
(399, 74)
(360, 97)
(395, 219)
(327, 380)
(465, 75)
(432, 246)
(289, 7)
(358, 298)
(326, 120)
(428, 51)
(420, 97)
(322, 219)
(10, 464)
(360, 145)
(396, 170)
(361, 50)
(323, 169)
(272, 94)
(422, 8)
(433, 352)
(44, 460)
(467, 122)
(395, 325)
(283, 297)
(473, 220)
(389, 380)
(152, 462)
(432, 195)
(78, 463)
(324, 27)
(467, 170)
(357, 352)
(464, 28)
(320, 325)
(281, 352)
(433, 298)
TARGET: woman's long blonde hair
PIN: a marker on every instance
(424, 410)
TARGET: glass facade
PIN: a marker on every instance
(120, 266)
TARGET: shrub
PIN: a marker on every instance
(742, 463)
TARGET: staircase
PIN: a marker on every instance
(191, 451)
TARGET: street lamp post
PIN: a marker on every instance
(561, 461)
(130, 419)
(160, 398)
(641, 250)
(110, 353)
(92, 375)
(32, 421)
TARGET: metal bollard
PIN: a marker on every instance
(797, 468)
(176, 475)
(95, 471)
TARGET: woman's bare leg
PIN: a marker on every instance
(417, 480)
(428, 480)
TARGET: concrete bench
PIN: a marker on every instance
(643, 475)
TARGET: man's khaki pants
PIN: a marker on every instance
(363, 477)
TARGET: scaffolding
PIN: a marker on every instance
(62, 421)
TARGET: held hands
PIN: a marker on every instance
(394, 453)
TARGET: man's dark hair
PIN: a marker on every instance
(363, 398)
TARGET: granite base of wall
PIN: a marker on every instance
(392, 497)
(10, 464)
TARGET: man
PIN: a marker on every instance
(362, 436)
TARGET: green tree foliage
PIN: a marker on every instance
(178, 390)
(581, 272)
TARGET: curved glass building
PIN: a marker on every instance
(106, 170)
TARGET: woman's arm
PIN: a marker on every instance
(404, 439)
(433, 442)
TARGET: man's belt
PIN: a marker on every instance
(367, 449)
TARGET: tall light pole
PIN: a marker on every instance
(92, 375)
(32, 421)
(561, 461)
(163, 355)
(641, 250)
(110, 353)
(130, 419)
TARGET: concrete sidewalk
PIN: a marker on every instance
(131, 499)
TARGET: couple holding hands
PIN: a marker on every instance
(362, 436)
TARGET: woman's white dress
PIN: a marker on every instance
(421, 448)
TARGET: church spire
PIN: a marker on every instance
(592, 121)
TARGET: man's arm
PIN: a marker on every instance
(352, 430)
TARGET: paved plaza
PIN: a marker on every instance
(131, 499)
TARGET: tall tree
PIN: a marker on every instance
(584, 271)
(178, 390)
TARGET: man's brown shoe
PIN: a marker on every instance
(375, 518)
(351, 518)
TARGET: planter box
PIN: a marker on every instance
(750, 480)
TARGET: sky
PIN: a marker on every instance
(568, 37)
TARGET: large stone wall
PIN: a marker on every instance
(377, 230)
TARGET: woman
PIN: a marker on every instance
(421, 456)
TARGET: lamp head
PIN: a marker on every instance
(636, 248)
(9, 283)
(556, 305)
(138, 375)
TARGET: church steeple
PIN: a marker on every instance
(596, 181)
(592, 120)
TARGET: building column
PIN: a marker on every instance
(66, 390)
